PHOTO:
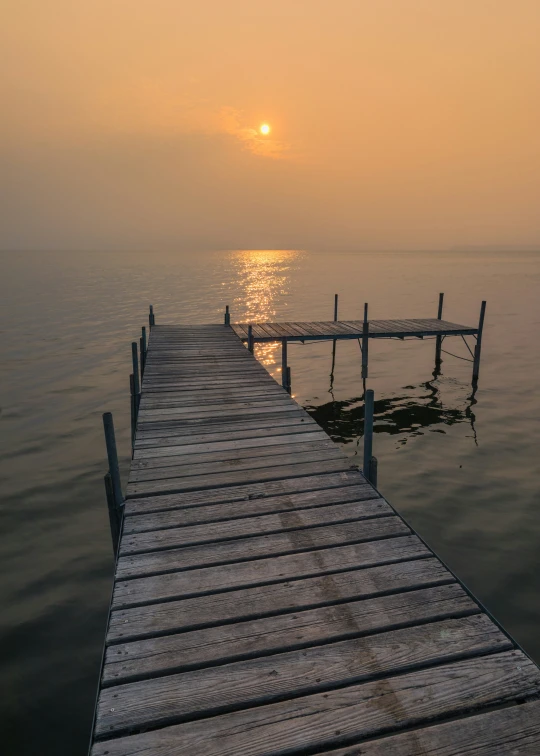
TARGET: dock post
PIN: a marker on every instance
(368, 433)
(250, 338)
(227, 320)
(365, 312)
(478, 347)
(365, 348)
(289, 381)
(114, 513)
(143, 350)
(438, 342)
(151, 316)
(112, 456)
(373, 464)
(335, 306)
(133, 411)
(136, 382)
(284, 363)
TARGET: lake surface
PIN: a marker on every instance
(463, 469)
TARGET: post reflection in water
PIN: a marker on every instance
(263, 277)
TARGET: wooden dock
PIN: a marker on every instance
(352, 329)
(267, 599)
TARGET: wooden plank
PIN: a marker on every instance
(236, 462)
(285, 596)
(197, 482)
(246, 493)
(512, 731)
(206, 580)
(241, 525)
(159, 701)
(271, 440)
(164, 556)
(243, 640)
(291, 423)
(329, 719)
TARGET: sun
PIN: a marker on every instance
(264, 129)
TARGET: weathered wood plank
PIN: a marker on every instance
(220, 645)
(158, 552)
(235, 462)
(226, 577)
(158, 701)
(511, 731)
(337, 716)
(288, 596)
(171, 485)
(256, 444)
(292, 423)
(188, 529)
(249, 492)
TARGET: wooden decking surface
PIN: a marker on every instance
(267, 600)
(352, 329)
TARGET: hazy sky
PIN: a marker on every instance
(395, 123)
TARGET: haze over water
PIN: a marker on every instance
(464, 471)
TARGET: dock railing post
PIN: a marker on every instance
(227, 320)
(143, 350)
(335, 306)
(438, 341)
(132, 411)
(369, 402)
(289, 380)
(112, 457)
(284, 363)
(373, 465)
(151, 316)
(365, 312)
(250, 338)
(365, 348)
(114, 514)
(136, 382)
(478, 347)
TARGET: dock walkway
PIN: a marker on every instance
(268, 600)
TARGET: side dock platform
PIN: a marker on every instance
(268, 600)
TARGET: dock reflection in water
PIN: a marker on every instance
(407, 414)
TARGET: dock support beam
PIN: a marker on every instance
(284, 363)
(250, 338)
(143, 350)
(438, 342)
(478, 347)
(365, 348)
(369, 403)
(112, 457)
(227, 319)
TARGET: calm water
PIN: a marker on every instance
(464, 470)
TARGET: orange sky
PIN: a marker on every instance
(395, 123)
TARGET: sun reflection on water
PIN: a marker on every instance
(263, 277)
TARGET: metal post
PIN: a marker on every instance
(250, 338)
(133, 410)
(478, 347)
(335, 306)
(373, 471)
(284, 363)
(365, 311)
(112, 456)
(227, 316)
(289, 381)
(365, 348)
(114, 513)
(368, 432)
(141, 351)
(136, 383)
(438, 341)
(144, 349)
(151, 316)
